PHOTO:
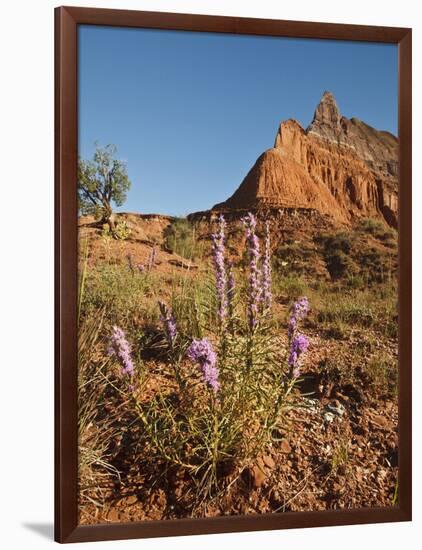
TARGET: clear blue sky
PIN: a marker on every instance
(190, 113)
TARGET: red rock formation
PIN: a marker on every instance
(338, 166)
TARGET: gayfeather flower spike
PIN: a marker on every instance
(298, 346)
(218, 255)
(267, 296)
(255, 288)
(169, 323)
(121, 349)
(298, 312)
(298, 342)
(202, 353)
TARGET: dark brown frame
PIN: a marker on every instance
(66, 442)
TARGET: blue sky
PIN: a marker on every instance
(191, 112)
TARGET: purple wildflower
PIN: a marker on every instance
(298, 342)
(120, 347)
(301, 307)
(141, 268)
(169, 323)
(201, 352)
(298, 346)
(292, 325)
(255, 289)
(266, 272)
(218, 254)
(298, 312)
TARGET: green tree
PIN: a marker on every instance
(101, 182)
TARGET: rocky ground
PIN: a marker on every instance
(338, 450)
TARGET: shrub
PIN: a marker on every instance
(194, 305)
(293, 257)
(371, 226)
(125, 296)
(336, 241)
(340, 456)
(389, 237)
(338, 264)
(355, 282)
(336, 252)
(391, 328)
(289, 286)
(382, 372)
(339, 308)
(180, 238)
(337, 371)
(377, 267)
(345, 309)
(121, 231)
(336, 330)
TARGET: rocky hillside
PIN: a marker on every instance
(340, 167)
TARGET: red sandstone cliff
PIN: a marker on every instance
(339, 166)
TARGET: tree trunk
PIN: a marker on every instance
(108, 217)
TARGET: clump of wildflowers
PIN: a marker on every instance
(201, 352)
(218, 254)
(255, 283)
(121, 349)
(298, 342)
(267, 296)
(169, 323)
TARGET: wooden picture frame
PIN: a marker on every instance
(67, 20)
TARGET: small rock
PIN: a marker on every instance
(380, 421)
(382, 474)
(336, 408)
(113, 515)
(344, 398)
(185, 264)
(285, 446)
(328, 417)
(269, 461)
(260, 462)
(130, 501)
(258, 476)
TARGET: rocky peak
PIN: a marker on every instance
(327, 112)
(339, 166)
(377, 149)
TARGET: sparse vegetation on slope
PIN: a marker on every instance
(207, 417)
